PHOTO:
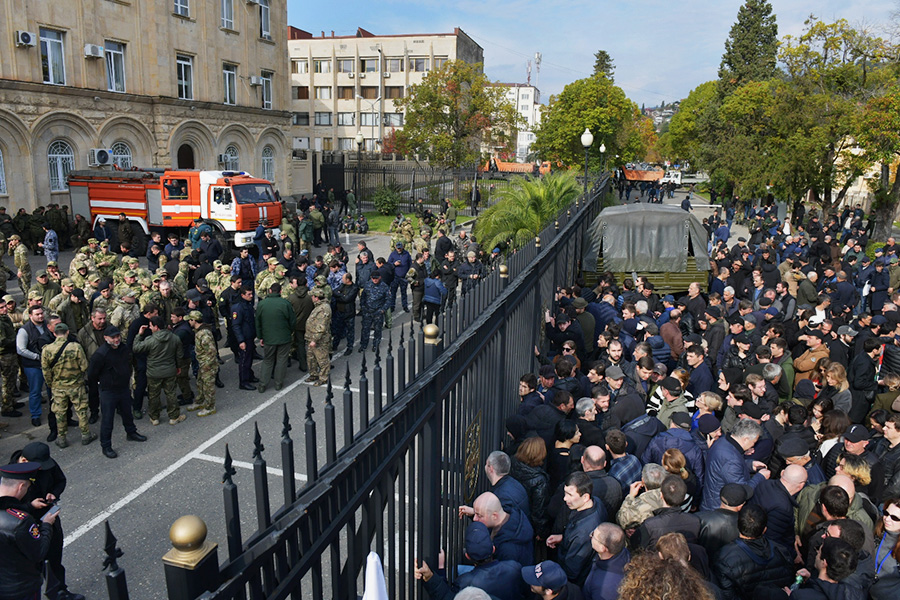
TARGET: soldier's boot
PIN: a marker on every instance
(61, 441)
(87, 438)
(219, 383)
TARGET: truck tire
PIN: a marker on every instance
(140, 239)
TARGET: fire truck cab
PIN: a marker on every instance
(234, 203)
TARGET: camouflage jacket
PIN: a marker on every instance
(69, 370)
(205, 347)
(20, 259)
(318, 325)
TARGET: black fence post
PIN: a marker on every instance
(330, 427)
(401, 362)
(192, 565)
(389, 377)
(364, 387)
(348, 410)
(232, 509)
(116, 586)
(411, 352)
(287, 460)
(260, 481)
(312, 460)
(376, 377)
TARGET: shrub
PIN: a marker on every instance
(386, 200)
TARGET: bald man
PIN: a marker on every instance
(778, 499)
(511, 531)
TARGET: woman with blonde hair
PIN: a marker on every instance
(707, 403)
(674, 462)
(838, 388)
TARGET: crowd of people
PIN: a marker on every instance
(740, 441)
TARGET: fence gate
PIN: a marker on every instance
(418, 422)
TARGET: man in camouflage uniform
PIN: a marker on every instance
(9, 361)
(125, 312)
(318, 338)
(45, 287)
(20, 259)
(321, 283)
(374, 302)
(36, 229)
(265, 279)
(126, 233)
(82, 231)
(67, 287)
(105, 261)
(205, 348)
(64, 365)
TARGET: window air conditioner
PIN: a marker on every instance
(98, 157)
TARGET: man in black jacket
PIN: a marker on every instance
(607, 489)
(719, 527)
(586, 512)
(24, 541)
(544, 418)
(778, 498)
(669, 518)
(752, 562)
(344, 323)
(109, 371)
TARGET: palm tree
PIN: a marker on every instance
(525, 208)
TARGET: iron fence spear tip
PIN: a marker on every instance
(286, 422)
(229, 468)
(258, 447)
(309, 405)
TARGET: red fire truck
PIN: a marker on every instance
(232, 202)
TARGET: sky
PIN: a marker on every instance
(662, 50)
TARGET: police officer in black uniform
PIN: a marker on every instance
(24, 542)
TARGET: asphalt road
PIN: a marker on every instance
(178, 471)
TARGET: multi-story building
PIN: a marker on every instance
(169, 83)
(526, 98)
(344, 85)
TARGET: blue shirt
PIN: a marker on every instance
(626, 470)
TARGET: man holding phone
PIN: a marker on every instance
(24, 542)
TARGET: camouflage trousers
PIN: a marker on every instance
(9, 370)
(206, 386)
(319, 361)
(76, 398)
(25, 282)
(155, 387)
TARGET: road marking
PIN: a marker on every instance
(151, 483)
(246, 465)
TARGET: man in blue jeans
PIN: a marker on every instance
(30, 340)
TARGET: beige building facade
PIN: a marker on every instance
(170, 83)
(342, 86)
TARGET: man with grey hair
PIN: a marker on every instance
(509, 491)
(726, 462)
(608, 570)
(639, 505)
(586, 417)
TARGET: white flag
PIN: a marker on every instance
(375, 586)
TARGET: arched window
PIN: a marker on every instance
(2, 175)
(121, 155)
(268, 163)
(61, 160)
(232, 159)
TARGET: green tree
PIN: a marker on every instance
(593, 103)
(525, 208)
(880, 137)
(604, 64)
(453, 113)
(752, 46)
(684, 129)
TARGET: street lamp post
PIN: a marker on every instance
(587, 139)
(603, 155)
(359, 144)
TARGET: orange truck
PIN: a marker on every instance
(232, 202)
(496, 165)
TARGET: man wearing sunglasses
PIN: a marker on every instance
(24, 542)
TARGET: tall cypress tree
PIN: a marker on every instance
(752, 46)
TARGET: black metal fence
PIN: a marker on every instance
(411, 448)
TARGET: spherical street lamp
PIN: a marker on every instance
(587, 140)
(603, 155)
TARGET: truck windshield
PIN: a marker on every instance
(253, 193)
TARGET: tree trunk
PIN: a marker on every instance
(884, 212)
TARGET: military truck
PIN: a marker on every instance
(662, 242)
